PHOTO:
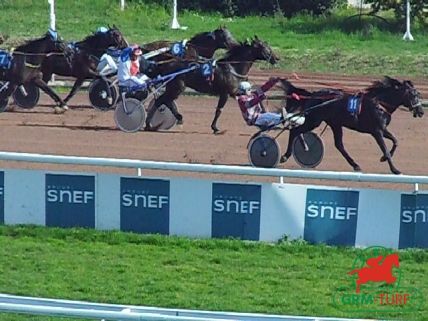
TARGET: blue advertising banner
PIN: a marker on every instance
(1, 197)
(70, 200)
(331, 216)
(144, 205)
(236, 211)
(414, 221)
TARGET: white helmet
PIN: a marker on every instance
(244, 86)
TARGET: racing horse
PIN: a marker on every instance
(85, 56)
(25, 66)
(224, 81)
(203, 44)
(377, 103)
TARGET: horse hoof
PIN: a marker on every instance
(65, 107)
(283, 159)
(357, 168)
(59, 110)
(179, 122)
(396, 171)
(383, 159)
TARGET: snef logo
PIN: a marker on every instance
(235, 205)
(236, 210)
(70, 200)
(68, 194)
(144, 205)
(414, 221)
(143, 199)
(331, 216)
(375, 284)
(330, 210)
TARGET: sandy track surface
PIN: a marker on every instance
(84, 131)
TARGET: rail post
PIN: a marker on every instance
(408, 35)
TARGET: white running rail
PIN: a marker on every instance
(90, 310)
(214, 169)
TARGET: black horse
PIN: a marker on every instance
(85, 56)
(373, 114)
(26, 64)
(224, 82)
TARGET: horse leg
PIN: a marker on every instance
(378, 136)
(61, 106)
(387, 134)
(221, 102)
(291, 136)
(172, 91)
(338, 142)
(295, 132)
(77, 84)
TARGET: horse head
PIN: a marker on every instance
(394, 93)
(262, 51)
(53, 42)
(224, 38)
(116, 38)
(412, 99)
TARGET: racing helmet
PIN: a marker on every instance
(244, 86)
(102, 30)
(136, 50)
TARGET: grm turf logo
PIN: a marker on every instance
(375, 284)
(144, 205)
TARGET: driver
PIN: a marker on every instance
(253, 111)
(128, 72)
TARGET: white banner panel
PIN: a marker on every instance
(24, 197)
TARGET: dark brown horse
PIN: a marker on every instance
(376, 103)
(203, 45)
(85, 56)
(26, 66)
(229, 71)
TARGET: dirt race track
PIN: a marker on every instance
(84, 131)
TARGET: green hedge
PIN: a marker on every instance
(252, 7)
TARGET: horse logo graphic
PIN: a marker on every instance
(378, 269)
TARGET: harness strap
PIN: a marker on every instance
(380, 105)
(236, 74)
(27, 64)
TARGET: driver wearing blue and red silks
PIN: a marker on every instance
(253, 112)
(128, 72)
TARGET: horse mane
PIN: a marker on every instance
(381, 85)
(30, 43)
(236, 50)
(90, 38)
(200, 36)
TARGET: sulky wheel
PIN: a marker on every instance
(129, 117)
(263, 151)
(98, 94)
(4, 101)
(3, 104)
(26, 96)
(309, 153)
(163, 118)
